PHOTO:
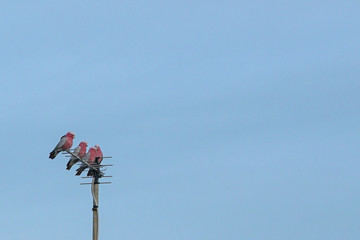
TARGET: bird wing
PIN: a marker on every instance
(86, 159)
(61, 143)
(77, 150)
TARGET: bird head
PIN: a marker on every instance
(71, 134)
(92, 149)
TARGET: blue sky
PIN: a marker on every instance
(225, 119)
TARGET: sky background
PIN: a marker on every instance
(225, 119)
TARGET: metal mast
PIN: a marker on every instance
(95, 193)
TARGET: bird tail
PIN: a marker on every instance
(90, 173)
(70, 164)
(53, 154)
(79, 171)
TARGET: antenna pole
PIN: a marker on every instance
(95, 194)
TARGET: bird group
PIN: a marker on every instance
(93, 157)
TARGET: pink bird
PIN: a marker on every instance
(79, 151)
(89, 158)
(98, 158)
(66, 142)
(99, 155)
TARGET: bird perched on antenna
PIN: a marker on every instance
(79, 151)
(98, 158)
(65, 142)
(89, 158)
(99, 155)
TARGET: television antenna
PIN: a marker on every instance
(98, 172)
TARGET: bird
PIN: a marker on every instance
(89, 158)
(98, 158)
(99, 155)
(79, 151)
(65, 142)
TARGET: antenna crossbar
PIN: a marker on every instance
(92, 177)
(97, 183)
